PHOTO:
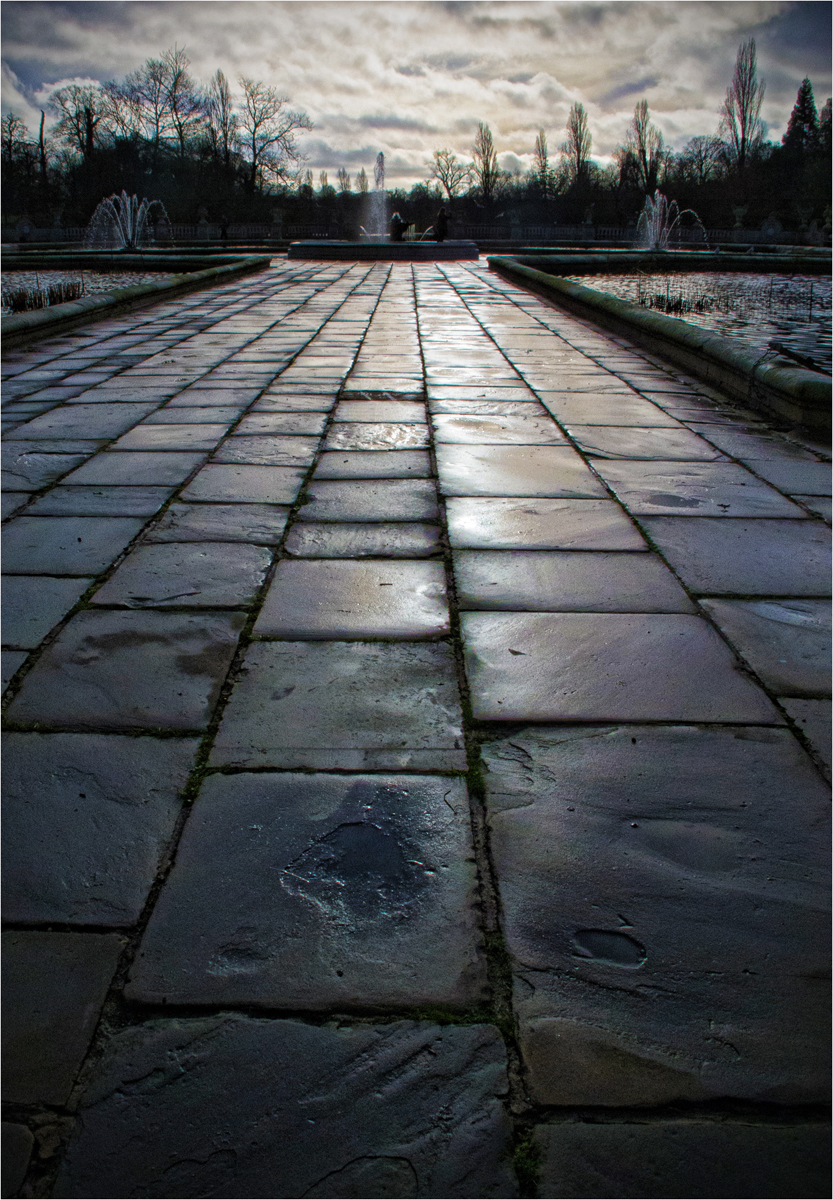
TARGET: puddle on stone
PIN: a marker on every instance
(605, 946)
(672, 501)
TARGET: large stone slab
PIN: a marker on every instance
(384, 411)
(793, 476)
(762, 558)
(504, 430)
(318, 892)
(86, 819)
(514, 471)
(137, 466)
(54, 985)
(281, 423)
(259, 523)
(271, 450)
(187, 436)
(17, 1147)
(28, 471)
(245, 484)
(665, 891)
(86, 420)
(355, 705)
(100, 501)
(407, 539)
(605, 667)
(503, 523)
(65, 545)
(33, 604)
(579, 408)
(374, 464)
(785, 642)
(813, 718)
(371, 500)
(345, 599)
(226, 414)
(137, 670)
(606, 441)
(355, 1115)
(572, 581)
(190, 574)
(355, 435)
(720, 489)
(698, 1159)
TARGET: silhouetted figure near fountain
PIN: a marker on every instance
(224, 227)
(397, 227)
(441, 224)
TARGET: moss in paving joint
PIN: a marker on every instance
(526, 1159)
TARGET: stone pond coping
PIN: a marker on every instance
(384, 251)
(22, 328)
(790, 394)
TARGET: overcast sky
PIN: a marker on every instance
(409, 78)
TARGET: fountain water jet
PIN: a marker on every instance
(658, 221)
(122, 223)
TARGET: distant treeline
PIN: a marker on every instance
(204, 153)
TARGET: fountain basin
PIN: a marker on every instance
(377, 250)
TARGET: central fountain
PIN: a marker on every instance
(375, 242)
(659, 220)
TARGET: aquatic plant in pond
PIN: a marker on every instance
(124, 223)
(29, 299)
(659, 220)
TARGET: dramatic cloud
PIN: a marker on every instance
(409, 78)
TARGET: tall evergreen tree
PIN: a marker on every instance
(802, 134)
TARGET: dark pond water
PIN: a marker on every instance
(94, 281)
(758, 309)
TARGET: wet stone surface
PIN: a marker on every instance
(355, 1114)
(694, 489)
(53, 987)
(651, 877)
(112, 670)
(372, 500)
(501, 523)
(194, 574)
(261, 524)
(698, 1159)
(245, 484)
(374, 464)
(318, 891)
(86, 820)
(344, 704)
(321, 540)
(514, 471)
(342, 599)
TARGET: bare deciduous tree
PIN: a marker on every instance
(646, 145)
(741, 123)
(449, 172)
(576, 148)
(541, 171)
(361, 181)
(268, 131)
(80, 111)
(343, 180)
(489, 177)
(221, 119)
(15, 136)
(185, 106)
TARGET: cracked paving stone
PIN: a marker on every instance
(245, 484)
(665, 892)
(605, 667)
(214, 574)
(356, 1113)
(572, 581)
(354, 435)
(719, 489)
(627, 442)
(373, 500)
(65, 546)
(698, 1159)
(350, 705)
(504, 523)
(54, 985)
(392, 540)
(345, 599)
(24, 472)
(33, 604)
(259, 523)
(87, 818)
(785, 642)
(130, 669)
(514, 471)
(745, 557)
(318, 892)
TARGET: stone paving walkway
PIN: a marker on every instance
(414, 769)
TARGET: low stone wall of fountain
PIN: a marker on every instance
(794, 395)
(379, 251)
